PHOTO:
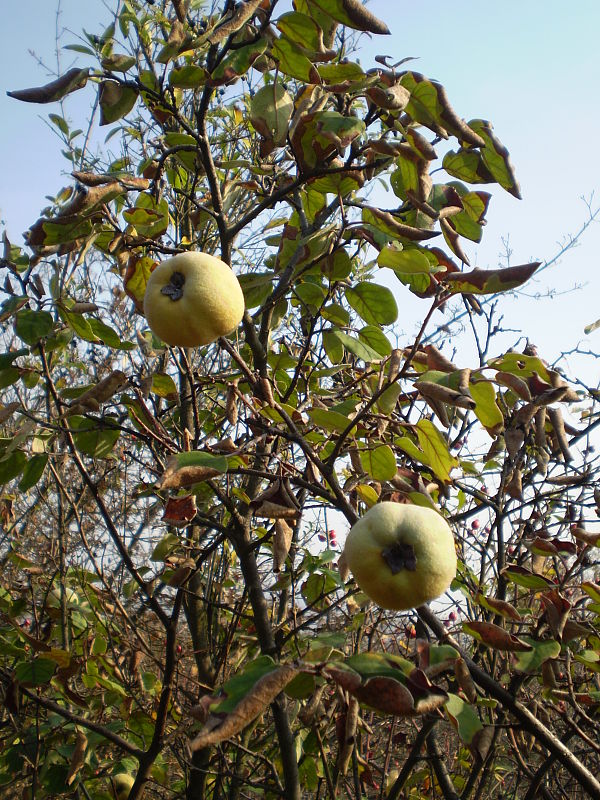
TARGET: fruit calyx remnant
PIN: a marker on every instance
(400, 556)
(174, 288)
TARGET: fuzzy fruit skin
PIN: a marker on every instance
(122, 783)
(212, 302)
(387, 524)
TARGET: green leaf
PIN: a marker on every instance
(374, 303)
(367, 494)
(388, 399)
(311, 294)
(532, 660)
(256, 286)
(374, 338)
(92, 438)
(167, 545)
(467, 165)
(328, 420)
(333, 346)
(292, 61)
(104, 333)
(118, 62)
(342, 71)
(163, 385)
(486, 409)
(60, 123)
(33, 471)
(464, 717)
(31, 326)
(336, 314)
(149, 216)
(116, 101)
(435, 449)
(521, 365)
(271, 109)
(526, 578)
(35, 673)
(12, 465)
(408, 261)
(6, 359)
(237, 63)
(187, 77)
(379, 462)
(496, 158)
(8, 377)
(78, 324)
(198, 458)
(356, 347)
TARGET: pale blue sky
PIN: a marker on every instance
(532, 68)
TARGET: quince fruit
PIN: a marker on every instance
(192, 299)
(122, 783)
(401, 555)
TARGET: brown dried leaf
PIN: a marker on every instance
(55, 90)
(444, 394)
(464, 679)
(77, 757)
(93, 398)
(176, 477)
(264, 691)
(180, 511)
(282, 541)
(495, 637)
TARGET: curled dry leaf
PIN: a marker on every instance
(55, 90)
(482, 741)
(402, 230)
(393, 98)
(276, 502)
(557, 422)
(436, 360)
(514, 487)
(282, 541)
(350, 719)
(93, 398)
(83, 308)
(501, 607)
(464, 679)
(77, 757)
(264, 691)
(444, 394)
(231, 406)
(496, 637)
(179, 473)
(181, 573)
(353, 14)
(518, 385)
(514, 439)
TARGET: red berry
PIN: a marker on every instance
(322, 538)
(179, 649)
(475, 524)
(452, 616)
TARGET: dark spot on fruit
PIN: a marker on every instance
(174, 288)
(400, 556)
